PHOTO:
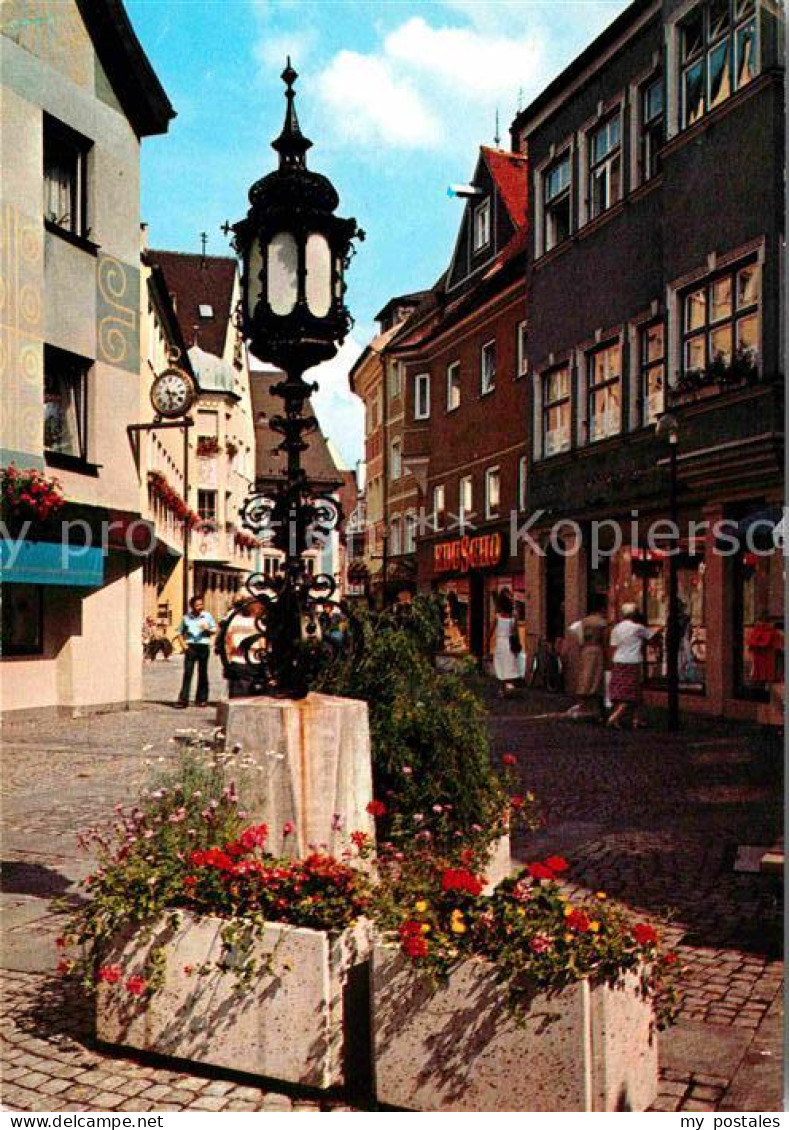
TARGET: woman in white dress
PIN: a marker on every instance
(504, 639)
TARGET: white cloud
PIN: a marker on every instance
(272, 50)
(341, 414)
(373, 104)
(466, 60)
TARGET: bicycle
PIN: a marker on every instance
(547, 670)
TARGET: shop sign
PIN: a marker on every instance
(463, 554)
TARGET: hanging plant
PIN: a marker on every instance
(29, 493)
(207, 446)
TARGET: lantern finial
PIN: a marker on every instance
(291, 144)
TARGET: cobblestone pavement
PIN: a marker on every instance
(654, 819)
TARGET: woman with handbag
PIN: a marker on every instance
(506, 644)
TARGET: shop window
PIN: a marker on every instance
(556, 202)
(604, 395)
(556, 411)
(422, 396)
(650, 572)
(488, 367)
(521, 350)
(456, 617)
(482, 225)
(651, 128)
(22, 620)
(65, 403)
(720, 329)
(65, 177)
(717, 55)
(605, 166)
(758, 611)
(396, 459)
(652, 369)
(492, 491)
(453, 386)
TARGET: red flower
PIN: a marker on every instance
(671, 959)
(60, 943)
(110, 974)
(63, 967)
(414, 946)
(288, 828)
(540, 871)
(557, 863)
(644, 934)
(461, 879)
(517, 801)
(360, 840)
(509, 759)
(190, 881)
(376, 808)
(137, 986)
(579, 921)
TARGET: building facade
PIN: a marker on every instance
(204, 291)
(78, 95)
(654, 286)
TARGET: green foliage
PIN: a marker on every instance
(428, 729)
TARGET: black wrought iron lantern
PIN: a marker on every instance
(294, 251)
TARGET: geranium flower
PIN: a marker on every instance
(509, 759)
(579, 921)
(415, 946)
(540, 943)
(645, 934)
(461, 879)
(376, 808)
(557, 863)
(288, 828)
(110, 974)
(540, 871)
(360, 840)
(137, 986)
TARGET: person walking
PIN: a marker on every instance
(196, 629)
(506, 644)
(627, 640)
(591, 633)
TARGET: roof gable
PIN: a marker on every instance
(195, 281)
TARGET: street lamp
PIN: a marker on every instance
(667, 429)
(294, 251)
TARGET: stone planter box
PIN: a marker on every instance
(457, 1048)
(289, 1023)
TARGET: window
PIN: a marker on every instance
(652, 128)
(556, 202)
(205, 310)
(439, 504)
(720, 322)
(22, 620)
(556, 411)
(488, 367)
(65, 403)
(65, 177)
(410, 531)
(206, 505)
(521, 355)
(605, 166)
(522, 483)
(396, 460)
(453, 386)
(604, 372)
(482, 225)
(395, 380)
(465, 498)
(652, 367)
(395, 537)
(492, 491)
(207, 425)
(717, 54)
(422, 396)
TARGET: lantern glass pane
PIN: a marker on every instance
(319, 272)
(338, 277)
(282, 273)
(254, 281)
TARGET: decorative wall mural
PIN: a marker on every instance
(117, 313)
(51, 30)
(21, 351)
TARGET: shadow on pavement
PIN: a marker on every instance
(18, 878)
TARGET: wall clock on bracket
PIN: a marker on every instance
(173, 393)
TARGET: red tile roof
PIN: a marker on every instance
(510, 172)
(194, 281)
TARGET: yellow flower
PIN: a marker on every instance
(425, 928)
(568, 938)
(601, 895)
(420, 907)
(568, 910)
(458, 925)
(594, 927)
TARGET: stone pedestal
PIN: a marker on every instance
(311, 768)
(500, 864)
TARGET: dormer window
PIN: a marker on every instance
(205, 310)
(482, 225)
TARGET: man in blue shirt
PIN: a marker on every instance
(196, 630)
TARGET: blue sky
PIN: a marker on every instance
(396, 95)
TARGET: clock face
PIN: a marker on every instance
(172, 393)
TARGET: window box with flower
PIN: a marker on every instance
(207, 446)
(527, 1000)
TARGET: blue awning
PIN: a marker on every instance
(50, 563)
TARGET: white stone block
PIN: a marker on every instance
(499, 864)
(288, 1024)
(456, 1047)
(317, 767)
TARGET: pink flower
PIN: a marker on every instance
(137, 986)
(540, 943)
(288, 828)
(110, 974)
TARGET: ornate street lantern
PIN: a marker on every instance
(294, 251)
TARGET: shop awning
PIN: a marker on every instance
(50, 563)
(762, 529)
